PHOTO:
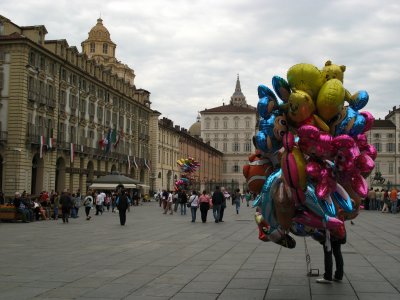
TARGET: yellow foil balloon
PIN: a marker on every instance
(300, 108)
(330, 99)
(306, 77)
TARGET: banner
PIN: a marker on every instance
(134, 162)
(50, 143)
(146, 164)
(41, 145)
(129, 164)
(72, 150)
(108, 141)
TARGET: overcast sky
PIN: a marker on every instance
(188, 53)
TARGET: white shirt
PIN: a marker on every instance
(100, 199)
(194, 200)
(169, 197)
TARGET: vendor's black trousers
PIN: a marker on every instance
(328, 261)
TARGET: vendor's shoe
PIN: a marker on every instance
(337, 279)
(323, 280)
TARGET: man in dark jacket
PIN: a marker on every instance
(123, 203)
(217, 199)
(66, 204)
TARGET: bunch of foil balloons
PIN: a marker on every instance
(188, 166)
(312, 156)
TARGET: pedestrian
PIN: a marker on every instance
(182, 201)
(223, 205)
(379, 196)
(205, 204)
(194, 204)
(66, 205)
(78, 202)
(248, 197)
(393, 200)
(398, 200)
(99, 203)
(176, 200)
(21, 207)
(88, 203)
(168, 206)
(164, 199)
(332, 245)
(56, 205)
(386, 201)
(372, 199)
(237, 196)
(123, 203)
(217, 199)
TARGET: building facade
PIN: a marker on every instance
(68, 117)
(385, 136)
(230, 129)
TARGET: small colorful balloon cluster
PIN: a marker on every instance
(312, 154)
(188, 167)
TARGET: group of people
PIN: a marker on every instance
(383, 200)
(171, 201)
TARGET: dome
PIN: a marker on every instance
(99, 32)
(195, 129)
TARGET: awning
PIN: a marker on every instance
(111, 186)
(143, 185)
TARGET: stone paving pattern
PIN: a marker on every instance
(158, 256)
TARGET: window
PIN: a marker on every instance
(225, 124)
(236, 168)
(235, 147)
(82, 107)
(105, 48)
(224, 167)
(247, 147)
(236, 136)
(247, 124)
(378, 147)
(216, 145)
(377, 135)
(390, 147)
(236, 123)
(207, 125)
(225, 135)
(91, 109)
(92, 47)
(32, 59)
(390, 135)
(216, 124)
(391, 164)
(63, 99)
(99, 113)
(72, 134)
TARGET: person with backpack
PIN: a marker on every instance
(123, 203)
(88, 204)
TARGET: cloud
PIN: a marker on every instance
(188, 53)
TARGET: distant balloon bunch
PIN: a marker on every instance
(312, 154)
(188, 167)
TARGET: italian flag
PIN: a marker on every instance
(50, 143)
(41, 145)
(72, 149)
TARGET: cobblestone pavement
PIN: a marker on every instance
(158, 256)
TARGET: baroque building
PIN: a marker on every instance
(385, 136)
(67, 117)
(230, 129)
(175, 143)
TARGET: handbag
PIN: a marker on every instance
(188, 204)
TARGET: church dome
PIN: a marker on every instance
(195, 129)
(99, 32)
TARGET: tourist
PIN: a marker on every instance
(56, 204)
(217, 200)
(393, 200)
(237, 196)
(176, 200)
(386, 201)
(168, 206)
(99, 203)
(21, 208)
(371, 202)
(123, 204)
(66, 205)
(223, 204)
(248, 197)
(88, 204)
(379, 196)
(183, 198)
(205, 204)
(194, 204)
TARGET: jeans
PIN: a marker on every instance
(378, 204)
(394, 207)
(25, 213)
(183, 208)
(55, 213)
(237, 206)
(87, 210)
(372, 204)
(193, 210)
(221, 212)
(217, 212)
(335, 248)
(65, 213)
(176, 205)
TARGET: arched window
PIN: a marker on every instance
(105, 48)
(92, 47)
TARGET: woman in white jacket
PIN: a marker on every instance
(194, 204)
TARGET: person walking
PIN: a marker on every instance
(205, 204)
(123, 203)
(182, 202)
(386, 201)
(217, 200)
(176, 199)
(88, 204)
(331, 246)
(169, 204)
(66, 205)
(248, 197)
(379, 196)
(372, 199)
(56, 205)
(99, 203)
(237, 196)
(223, 204)
(194, 204)
(393, 200)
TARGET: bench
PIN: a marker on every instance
(9, 213)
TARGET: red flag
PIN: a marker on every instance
(72, 154)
